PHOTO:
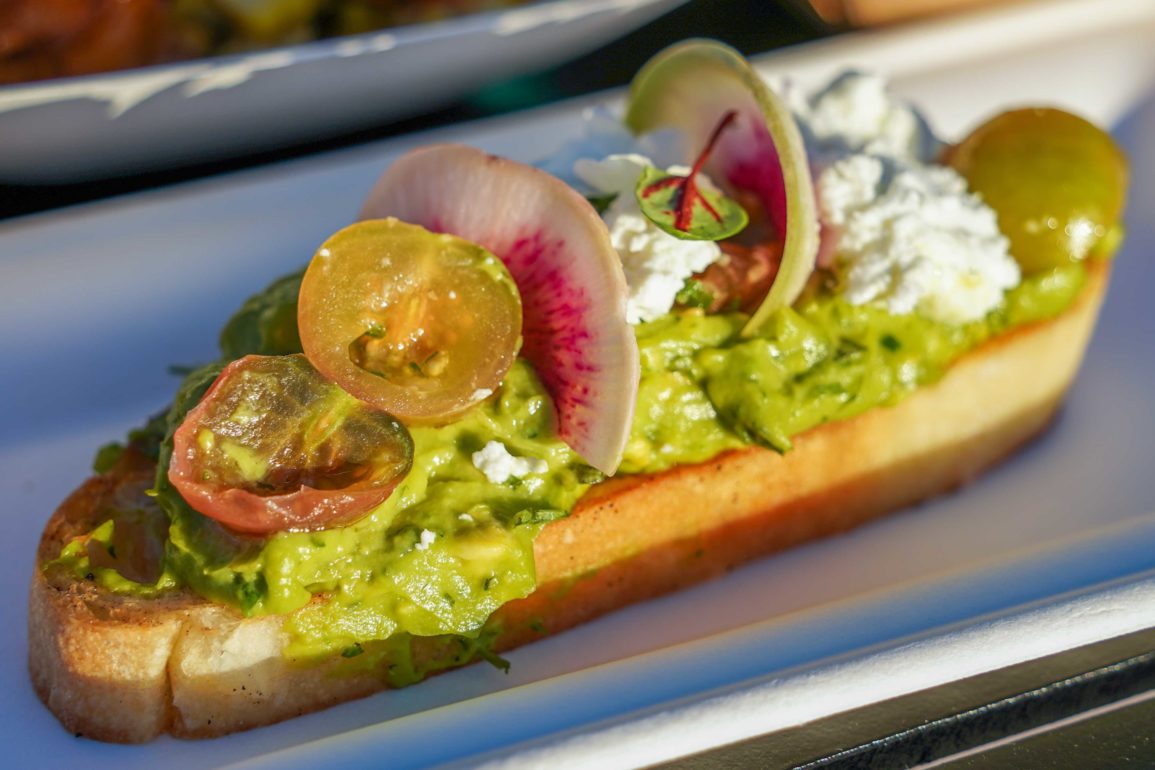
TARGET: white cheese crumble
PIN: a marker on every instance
(901, 229)
(656, 263)
(913, 237)
(499, 466)
(603, 134)
(855, 113)
(427, 538)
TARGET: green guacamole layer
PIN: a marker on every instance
(449, 547)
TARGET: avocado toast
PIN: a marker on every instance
(673, 520)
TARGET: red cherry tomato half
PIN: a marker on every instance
(274, 446)
(422, 325)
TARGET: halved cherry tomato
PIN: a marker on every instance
(1057, 182)
(274, 446)
(419, 324)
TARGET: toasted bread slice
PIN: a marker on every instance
(127, 669)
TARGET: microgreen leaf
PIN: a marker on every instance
(686, 209)
(713, 216)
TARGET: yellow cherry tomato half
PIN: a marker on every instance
(422, 325)
(274, 446)
(1057, 182)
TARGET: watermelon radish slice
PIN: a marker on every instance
(557, 249)
(691, 86)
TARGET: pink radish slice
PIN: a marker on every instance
(691, 86)
(557, 249)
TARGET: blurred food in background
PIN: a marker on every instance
(42, 39)
(868, 13)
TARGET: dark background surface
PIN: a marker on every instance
(1088, 707)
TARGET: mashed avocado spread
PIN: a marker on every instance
(449, 547)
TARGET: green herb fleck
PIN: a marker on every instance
(540, 516)
(492, 658)
(107, 456)
(695, 294)
(587, 474)
(602, 202)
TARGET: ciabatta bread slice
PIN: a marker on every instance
(127, 669)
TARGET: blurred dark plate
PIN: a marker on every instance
(74, 129)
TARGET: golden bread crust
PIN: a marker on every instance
(126, 669)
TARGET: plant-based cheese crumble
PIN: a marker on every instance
(426, 539)
(853, 114)
(902, 230)
(499, 466)
(602, 134)
(657, 264)
(912, 236)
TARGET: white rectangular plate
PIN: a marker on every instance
(96, 302)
